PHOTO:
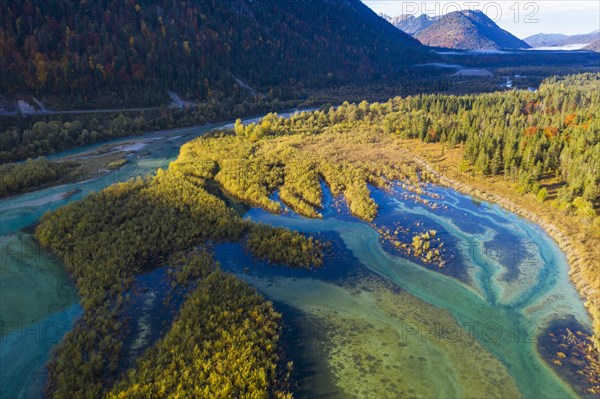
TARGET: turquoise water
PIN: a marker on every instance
(372, 323)
(516, 285)
(35, 290)
(36, 294)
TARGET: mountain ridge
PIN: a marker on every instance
(465, 29)
(559, 39)
(409, 23)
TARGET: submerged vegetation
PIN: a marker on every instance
(570, 352)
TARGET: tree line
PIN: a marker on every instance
(44, 135)
(522, 135)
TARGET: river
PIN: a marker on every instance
(370, 323)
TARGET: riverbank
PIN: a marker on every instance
(38, 174)
(577, 238)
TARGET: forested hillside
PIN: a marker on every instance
(132, 52)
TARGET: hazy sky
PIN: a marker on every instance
(546, 16)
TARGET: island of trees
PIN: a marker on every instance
(36, 174)
(17, 178)
(132, 227)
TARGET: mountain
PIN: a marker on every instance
(460, 29)
(545, 39)
(115, 51)
(582, 39)
(467, 30)
(594, 46)
(560, 40)
(411, 24)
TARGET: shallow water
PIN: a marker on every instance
(35, 287)
(372, 323)
(395, 327)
